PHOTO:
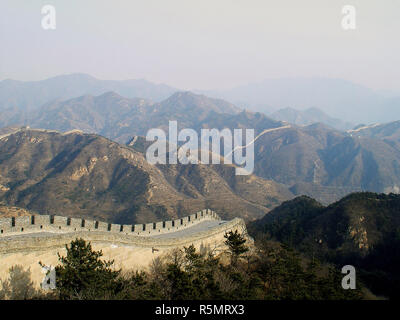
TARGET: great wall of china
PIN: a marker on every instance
(27, 240)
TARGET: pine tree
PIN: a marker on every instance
(83, 275)
(236, 244)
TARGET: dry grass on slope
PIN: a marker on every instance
(8, 212)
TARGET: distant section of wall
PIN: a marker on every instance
(50, 223)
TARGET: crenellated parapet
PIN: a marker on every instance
(30, 239)
(57, 224)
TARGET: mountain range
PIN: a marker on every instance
(86, 158)
(315, 160)
(345, 100)
(339, 98)
(86, 175)
(118, 118)
(309, 158)
(27, 95)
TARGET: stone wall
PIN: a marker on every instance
(52, 223)
(27, 242)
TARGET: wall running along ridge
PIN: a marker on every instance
(30, 239)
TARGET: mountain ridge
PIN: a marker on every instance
(339, 98)
(361, 229)
(310, 116)
(28, 95)
(88, 175)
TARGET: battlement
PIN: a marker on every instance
(30, 239)
(58, 224)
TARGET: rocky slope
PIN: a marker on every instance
(86, 175)
(362, 229)
(119, 118)
(8, 211)
(313, 160)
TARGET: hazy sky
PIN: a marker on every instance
(202, 44)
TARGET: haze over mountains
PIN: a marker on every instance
(32, 94)
(119, 118)
(388, 131)
(337, 97)
(307, 157)
(309, 116)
